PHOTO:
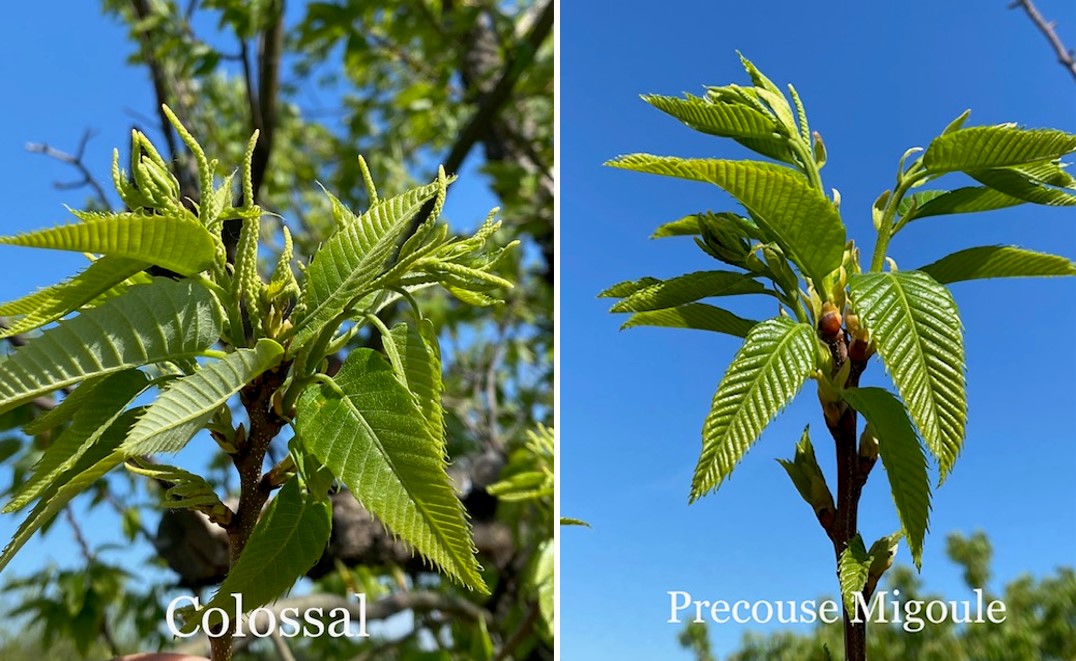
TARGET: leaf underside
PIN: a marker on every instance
(98, 460)
(101, 408)
(997, 262)
(698, 316)
(688, 289)
(984, 147)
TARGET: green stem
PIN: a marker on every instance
(887, 228)
(810, 168)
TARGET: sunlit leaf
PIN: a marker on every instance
(767, 372)
(164, 320)
(688, 289)
(367, 429)
(186, 404)
(797, 217)
(982, 147)
(699, 316)
(903, 459)
(915, 325)
(997, 262)
(174, 243)
(49, 304)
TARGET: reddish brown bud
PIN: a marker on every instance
(859, 350)
(829, 323)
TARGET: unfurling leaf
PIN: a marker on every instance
(354, 257)
(808, 478)
(853, 568)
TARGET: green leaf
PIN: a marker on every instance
(807, 477)
(852, 569)
(628, 287)
(174, 243)
(287, 541)
(699, 316)
(1027, 184)
(182, 489)
(685, 226)
(903, 458)
(420, 353)
(997, 262)
(66, 409)
(164, 320)
(982, 147)
(542, 580)
(366, 428)
(688, 289)
(721, 119)
(354, 257)
(916, 326)
(94, 464)
(972, 199)
(796, 216)
(957, 123)
(99, 410)
(187, 403)
(767, 372)
(49, 304)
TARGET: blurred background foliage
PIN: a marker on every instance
(409, 85)
(1040, 619)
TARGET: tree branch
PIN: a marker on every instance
(74, 160)
(384, 608)
(494, 100)
(1064, 55)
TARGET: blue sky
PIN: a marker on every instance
(876, 79)
(67, 71)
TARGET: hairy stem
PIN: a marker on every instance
(852, 472)
(265, 424)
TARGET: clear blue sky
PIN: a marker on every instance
(66, 71)
(877, 78)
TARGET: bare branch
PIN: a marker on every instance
(1064, 55)
(74, 160)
